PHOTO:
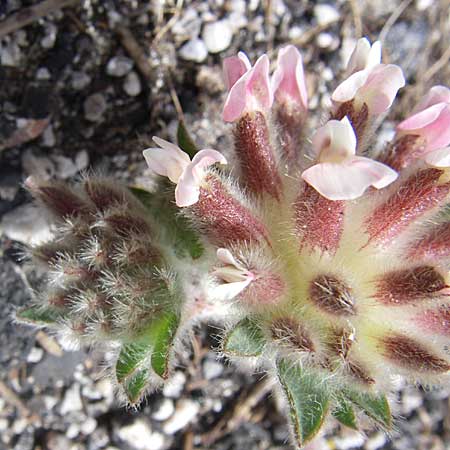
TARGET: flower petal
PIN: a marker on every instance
(168, 161)
(437, 94)
(439, 157)
(381, 87)
(228, 291)
(288, 79)
(258, 84)
(335, 141)
(433, 124)
(348, 181)
(188, 189)
(226, 257)
(234, 67)
(347, 90)
(364, 56)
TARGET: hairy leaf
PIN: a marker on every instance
(185, 240)
(308, 400)
(345, 414)
(38, 315)
(375, 406)
(245, 339)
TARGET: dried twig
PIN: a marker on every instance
(49, 344)
(357, 21)
(242, 412)
(172, 21)
(437, 66)
(28, 15)
(392, 19)
(13, 399)
(133, 48)
(32, 129)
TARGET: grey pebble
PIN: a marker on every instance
(94, 107)
(132, 84)
(119, 66)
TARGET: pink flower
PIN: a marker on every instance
(235, 276)
(431, 122)
(170, 161)
(288, 80)
(339, 173)
(249, 86)
(370, 82)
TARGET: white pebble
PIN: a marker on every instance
(119, 66)
(325, 14)
(164, 410)
(175, 385)
(139, 436)
(194, 50)
(132, 84)
(185, 412)
(35, 355)
(217, 36)
(72, 400)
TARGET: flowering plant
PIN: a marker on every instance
(325, 261)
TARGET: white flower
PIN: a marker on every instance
(340, 174)
(171, 162)
(234, 275)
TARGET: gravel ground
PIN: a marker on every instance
(85, 86)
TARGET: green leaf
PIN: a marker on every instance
(131, 357)
(308, 399)
(161, 334)
(135, 386)
(345, 414)
(245, 339)
(375, 406)
(38, 315)
(186, 241)
(185, 142)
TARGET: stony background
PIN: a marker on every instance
(86, 86)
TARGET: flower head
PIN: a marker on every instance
(249, 87)
(431, 123)
(339, 173)
(170, 161)
(370, 82)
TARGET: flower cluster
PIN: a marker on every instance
(325, 257)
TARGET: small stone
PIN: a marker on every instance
(88, 426)
(99, 438)
(327, 40)
(217, 36)
(10, 54)
(194, 50)
(73, 430)
(411, 400)
(57, 441)
(132, 84)
(185, 412)
(137, 435)
(82, 160)
(375, 441)
(188, 26)
(66, 167)
(80, 80)
(48, 41)
(94, 107)
(163, 410)
(119, 66)
(43, 74)
(48, 137)
(26, 224)
(35, 355)
(4, 424)
(19, 426)
(175, 385)
(212, 369)
(72, 400)
(326, 14)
